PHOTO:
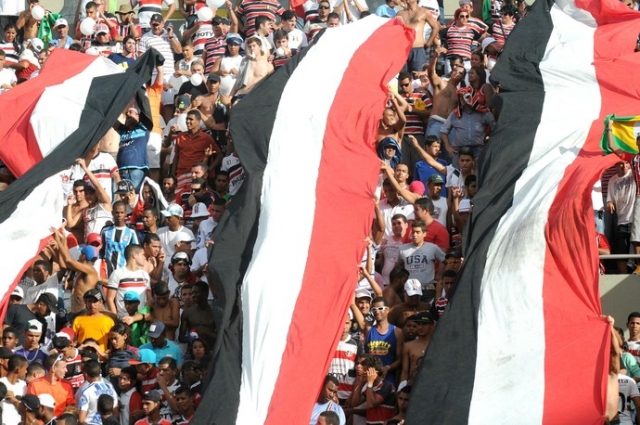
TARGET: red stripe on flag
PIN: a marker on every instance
(576, 304)
(331, 270)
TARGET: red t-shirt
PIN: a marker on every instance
(190, 149)
(437, 234)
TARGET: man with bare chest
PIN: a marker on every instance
(28, 22)
(165, 309)
(199, 317)
(76, 204)
(213, 106)
(416, 17)
(253, 68)
(445, 97)
(414, 350)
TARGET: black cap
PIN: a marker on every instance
(5, 353)
(454, 254)
(124, 186)
(50, 301)
(93, 293)
(31, 402)
(422, 317)
(152, 396)
(217, 20)
(156, 17)
(213, 77)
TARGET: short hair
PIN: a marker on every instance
(203, 286)
(2, 53)
(119, 203)
(47, 265)
(127, 38)
(471, 178)
(169, 361)
(479, 53)
(430, 140)
(132, 249)
(10, 330)
(288, 14)
(195, 113)
(253, 39)
(380, 300)
(419, 223)
(449, 273)
(151, 237)
(406, 389)
(386, 182)
(187, 286)
(399, 217)
(15, 362)
(453, 58)
(398, 272)
(364, 14)
(186, 42)
(172, 177)
(195, 63)
(105, 404)
(425, 204)
(220, 202)
(184, 390)
(90, 5)
(202, 165)
(330, 378)
(50, 361)
(466, 150)
(634, 315)
(404, 75)
(280, 35)
(262, 19)
(223, 173)
(75, 47)
(35, 367)
(333, 15)
(68, 418)
(331, 417)
(198, 181)
(508, 9)
(131, 371)
(92, 368)
(79, 183)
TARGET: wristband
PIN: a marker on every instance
(369, 385)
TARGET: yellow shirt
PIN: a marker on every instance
(96, 327)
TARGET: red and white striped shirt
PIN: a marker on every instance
(501, 31)
(344, 362)
(251, 9)
(215, 49)
(420, 101)
(459, 41)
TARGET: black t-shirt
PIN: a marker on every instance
(17, 317)
(111, 420)
(194, 91)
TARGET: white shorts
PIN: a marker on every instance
(153, 149)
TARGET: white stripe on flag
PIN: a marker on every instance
(274, 277)
(29, 224)
(58, 111)
(510, 367)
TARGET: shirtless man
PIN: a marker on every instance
(254, 67)
(416, 17)
(165, 309)
(414, 350)
(445, 97)
(393, 118)
(199, 316)
(26, 20)
(209, 105)
(76, 204)
(86, 276)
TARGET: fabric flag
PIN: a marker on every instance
(624, 131)
(41, 113)
(522, 340)
(34, 202)
(285, 258)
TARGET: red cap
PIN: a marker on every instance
(94, 238)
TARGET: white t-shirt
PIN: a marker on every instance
(420, 260)
(11, 8)
(123, 280)
(334, 407)
(391, 251)
(204, 232)
(629, 390)
(388, 211)
(297, 39)
(355, 13)
(440, 210)
(7, 76)
(87, 399)
(10, 415)
(102, 166)
(168, 239)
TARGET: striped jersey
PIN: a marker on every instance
(74, 374)
(114, 241)
(459, 41)
(102, 166)
(496, 6)
(251, 9)
(279, 61)
(231, 163)
(150, 382)
(204, 33)
(501, 31)
(343, 365)
(420, 101)
(311, 28)
(12, 54)
(627, 391)
(123, 280)
(162, 44)
(383, 391)
(215, 48)
(310, 10)
(148, 8)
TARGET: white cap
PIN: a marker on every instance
(183, 237)
(47, 400)
(173, 209)
(34, 325)
(60, 22)
(37, 44)
(199, 209)
(486, 42)
(18, 292)
(413, 287)
(362, 293)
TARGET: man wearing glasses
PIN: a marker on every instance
(385, 340)
(416, 17)
(312, 27)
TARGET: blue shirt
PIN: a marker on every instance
(133, 147)
(120, 60)
(423, 171)
(385, 11)
(56, 42)
(169, 350)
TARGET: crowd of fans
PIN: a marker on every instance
(114, 321)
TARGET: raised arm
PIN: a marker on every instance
(400, 105)
(612, 145)
(406, 194)
(379, 225)
(377, 290)
(235, 24)
(103, 198)
(428, 158)
(434, 79)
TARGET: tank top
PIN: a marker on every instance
(383, 346)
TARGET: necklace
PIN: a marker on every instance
(29, 360)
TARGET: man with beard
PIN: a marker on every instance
(133, 160)
(127, 57)
(169, 184)
(411, 305)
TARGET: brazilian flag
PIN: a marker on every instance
(624, 131)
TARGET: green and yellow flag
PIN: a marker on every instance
(624, 131)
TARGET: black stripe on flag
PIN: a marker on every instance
(444, 386)
(251, 126)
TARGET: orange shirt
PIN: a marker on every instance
(190, 149)
(61, 392)
(154, 93)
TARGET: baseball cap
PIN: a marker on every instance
(60, 23)
(363, 293)
(180, 256)
(50, 300)
(124, 186)
(94, 239)
(217, 20)
(199, 209)
(436, 179)
(422, 317)
(131, 296)
(90, 252)
(102, 29)
(156, 329)
(30, 402)
(486, 42)
(184, 101)
(5, 353)
(413, 287)
(464, 206)
(37, 44)
(234, 38)
(173, 209)
(60, 342)
(18, 292)
(156, 17)
(47, 400)
(152, 396)
(34, 325)
(183, 237)
(88, 355)
(213, 77)
(146, 356)
(93, 293)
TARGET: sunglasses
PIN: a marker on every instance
(379, 308)
(323, 7)
(464, 16)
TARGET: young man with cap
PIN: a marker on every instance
(62, 40)
(94, 323)
(28, 408)
(434, 191)
(87, 397)
(164, 41)
(414, 350)
(159, 344)
(149, 10)
(23, 317)
(118, 236)
(412, 303)
(127, 26)
(53, 383)
(16, 296)
(63, 343)
(215, 47)
(173, 232)
(180, 273)
(136, 318)
(151, 402)
(45, 412)
(130, 277)
(102, 41)
(147, 370)
(16, 387)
